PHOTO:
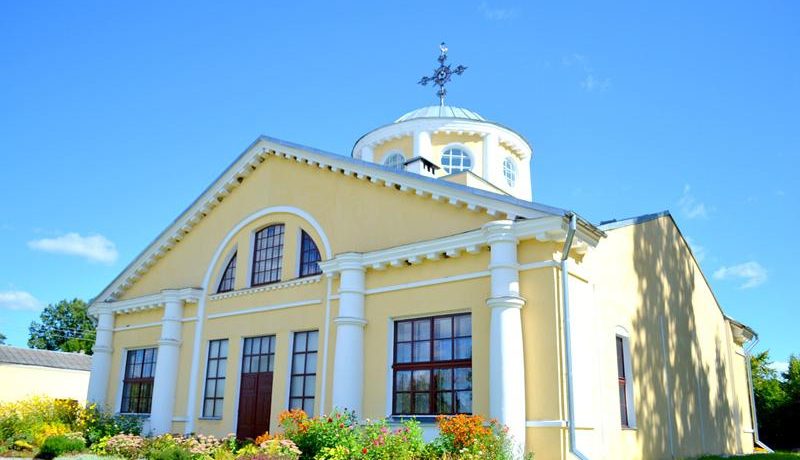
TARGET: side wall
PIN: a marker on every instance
(19, 382)
(689, 385)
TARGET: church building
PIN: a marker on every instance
(418, 276)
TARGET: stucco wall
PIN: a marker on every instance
(20, 381)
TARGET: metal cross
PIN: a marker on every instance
(442, 75)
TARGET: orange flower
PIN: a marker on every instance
(465, 429)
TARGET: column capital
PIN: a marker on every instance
(350, 320)
(498, 231)
(102, 349)
(169, 343)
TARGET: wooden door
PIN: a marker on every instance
(255, 391)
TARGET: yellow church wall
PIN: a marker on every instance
(404, 145)
(361, 217)
(685, 402)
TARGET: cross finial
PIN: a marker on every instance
(443, 74)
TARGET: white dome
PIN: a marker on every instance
(438, 111)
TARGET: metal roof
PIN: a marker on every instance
(45, 358)
(440, 111)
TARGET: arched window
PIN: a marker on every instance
(309, 256)
(395, 160)
(455, 160)
(510, 171)
(267, 255)
(228, 276)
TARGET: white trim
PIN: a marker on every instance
(545, 424)
(146, 325)
(326, 327)
(290, 360)
(149, 302)
(191, 403)
(298, 250)
(265, 287)
(280, 306)
(389, 363)
(238, 383)
(430, 282)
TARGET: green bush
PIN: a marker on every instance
(61, 444)
(97, 424)
(172, 452)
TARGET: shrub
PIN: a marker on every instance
(34, 419)
(468, 437)
(97, 424)
(313, 435)
(380, 442)
(123, 445)
(173, 452)
(56, 445)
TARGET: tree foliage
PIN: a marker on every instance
(2, 339)
(64, 326)
(777, 401)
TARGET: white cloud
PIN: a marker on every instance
(590, 81)
(780, 366)
(95, 248)
(19, 300)
(496, 14)
(751, 273)
(689, 205)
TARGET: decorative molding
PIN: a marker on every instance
(149, 302)
(266, 288)
(546, 424)
(146, 325)
(302, 303)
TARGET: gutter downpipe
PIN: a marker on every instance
(573, 225)
(754, 417)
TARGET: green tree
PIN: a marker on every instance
(2, 339)
(770, 394)
(791, 379)
(64, 326)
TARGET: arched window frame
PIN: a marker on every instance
(622, 334)
(461, 147)
(394, 154)
(302, 234)
(251, 275)
(510, 170)
(224, 270)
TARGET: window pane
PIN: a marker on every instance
(218, 408)
(403, 353)
(422, 380)
(223, 349)
(443, 328)
(308, 406)
(422, 330)
(299, 365)
(443, 350)
(443, 379)
(444, 403)
(213, 351)
(212, 367)
(296, 403)
(464, 402)
(220, 393)
(208, 408)
(210, 389)
(221, 365)
(422, 403)
(311, 363)
(300, 341)
(404, 331)
(402, 403)
(147, 369)
(463, 325)
(402, 381)
(422, 351)
(297, 386)
(464, 348)
(463, 380)
(310, 386)
(313, 338)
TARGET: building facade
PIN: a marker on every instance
(25, 373)
(418, 277)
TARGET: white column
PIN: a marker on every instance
(348, 364)
(166, 377)
(422, 145)
(490, 145)
(101, 357)
(506, 358)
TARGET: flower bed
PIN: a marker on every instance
(51, 428)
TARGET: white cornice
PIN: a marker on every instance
(265, 148)
(472, 242)
(266, 287)
(505, 136)
(148, 302)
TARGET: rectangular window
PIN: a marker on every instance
(433, 366)
(215, 378)
(268, 255)
(259, 354)
(137, 386)
(622, 358)
(304, 371)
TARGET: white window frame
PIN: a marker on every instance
(461, 147)
(121, 386)
(391, 154)
(623, 333)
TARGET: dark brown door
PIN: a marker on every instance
(255, 391)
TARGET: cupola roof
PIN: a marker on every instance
(440, 111)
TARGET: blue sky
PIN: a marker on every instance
(114, 116)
